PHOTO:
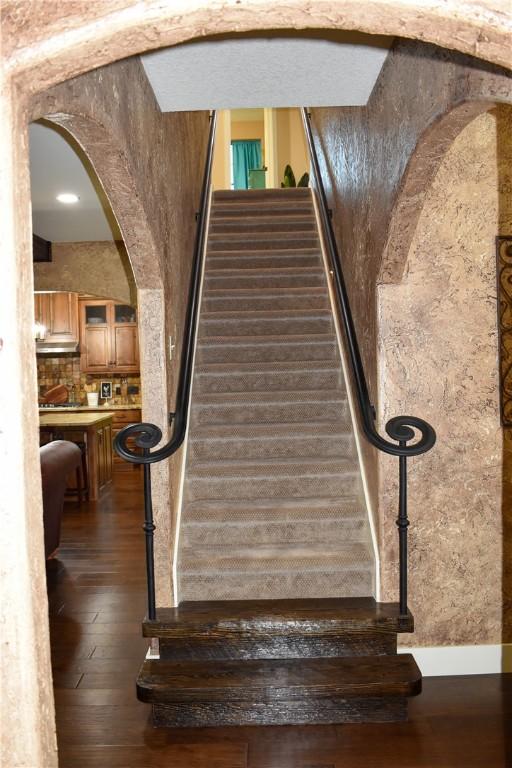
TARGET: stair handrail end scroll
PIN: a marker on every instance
(147, 436)
(403, 429)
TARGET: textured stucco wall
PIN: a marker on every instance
(438, 356)
(378, 162)
(150, 165)
(99, 268)
(46, 43)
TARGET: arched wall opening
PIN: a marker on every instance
(438, 351)
(112, 168)
(48, 48)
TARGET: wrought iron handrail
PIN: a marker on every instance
(147, 436)
(400, 428)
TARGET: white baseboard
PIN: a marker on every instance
(462, 659)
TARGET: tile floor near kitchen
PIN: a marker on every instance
(96, 591)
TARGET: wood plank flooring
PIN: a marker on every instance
(97, 600)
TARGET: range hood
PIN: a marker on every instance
(57, 347)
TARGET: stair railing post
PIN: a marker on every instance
(149, 530)
(402, 524)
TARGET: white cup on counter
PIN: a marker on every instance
(92, 399)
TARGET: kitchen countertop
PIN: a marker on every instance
(78, 420)
(91, 408)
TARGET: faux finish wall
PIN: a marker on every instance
(439, 358)
(98, 268)
(44, 44)
(378, 162)
(150, 164)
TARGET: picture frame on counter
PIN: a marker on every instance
(106, 390)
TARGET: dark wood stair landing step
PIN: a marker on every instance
(285, 691)
(377, 709)
(239, 619)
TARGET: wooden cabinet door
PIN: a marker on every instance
(108, 452)
(63, 317)
(42, 308)
(102, 468)
(125, 348)
(124, 339)
(108, 337)
(95, 352)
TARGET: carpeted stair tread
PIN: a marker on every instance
(272, 500)
(225, 260)
(282, 278)
(266, 509)
(279, 558)
(249, 224)
(265, 396)
(255, 440)
(271, 195)
(253, 298)
(259, 323)
(212, 533)
(250, 468)
(275, 375)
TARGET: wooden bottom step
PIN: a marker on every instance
(279, 691)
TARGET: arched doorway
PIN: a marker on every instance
(44, 51)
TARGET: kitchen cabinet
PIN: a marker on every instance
(58, 312)
(108, 337)
(92, 430)
(121, 420)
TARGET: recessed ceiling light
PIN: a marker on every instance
(68, 198)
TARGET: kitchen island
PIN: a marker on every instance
(93, 433)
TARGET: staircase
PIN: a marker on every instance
(273, 504)
(276, 623)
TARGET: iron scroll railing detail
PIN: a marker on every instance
(147, 436)
(402, 429)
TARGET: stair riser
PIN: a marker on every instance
(265, 353)
(262, 242)
(258, 261)
(272, 196)
(237, 586)
(269, 511)
(261, 210)
(265, 413)
(312, 531)
(259, 381)
(359, 643)
(264, 448)
(249, 227)
(259, 303)
(237, 282)
(260, 327)
(306, 712)
(262, 487)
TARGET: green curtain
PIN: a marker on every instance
(246, 155)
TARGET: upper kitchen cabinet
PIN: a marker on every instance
(108, 337)
(57, 312)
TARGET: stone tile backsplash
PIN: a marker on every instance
(66, 370)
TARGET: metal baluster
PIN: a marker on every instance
(149, 528)
(402, 523)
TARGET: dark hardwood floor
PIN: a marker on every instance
(97, 600)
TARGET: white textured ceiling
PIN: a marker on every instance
(57, 164)
(313, 69)
(284, 71)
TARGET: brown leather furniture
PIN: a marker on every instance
(59, 459)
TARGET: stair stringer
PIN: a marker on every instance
(370, 511)
(184, 452)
